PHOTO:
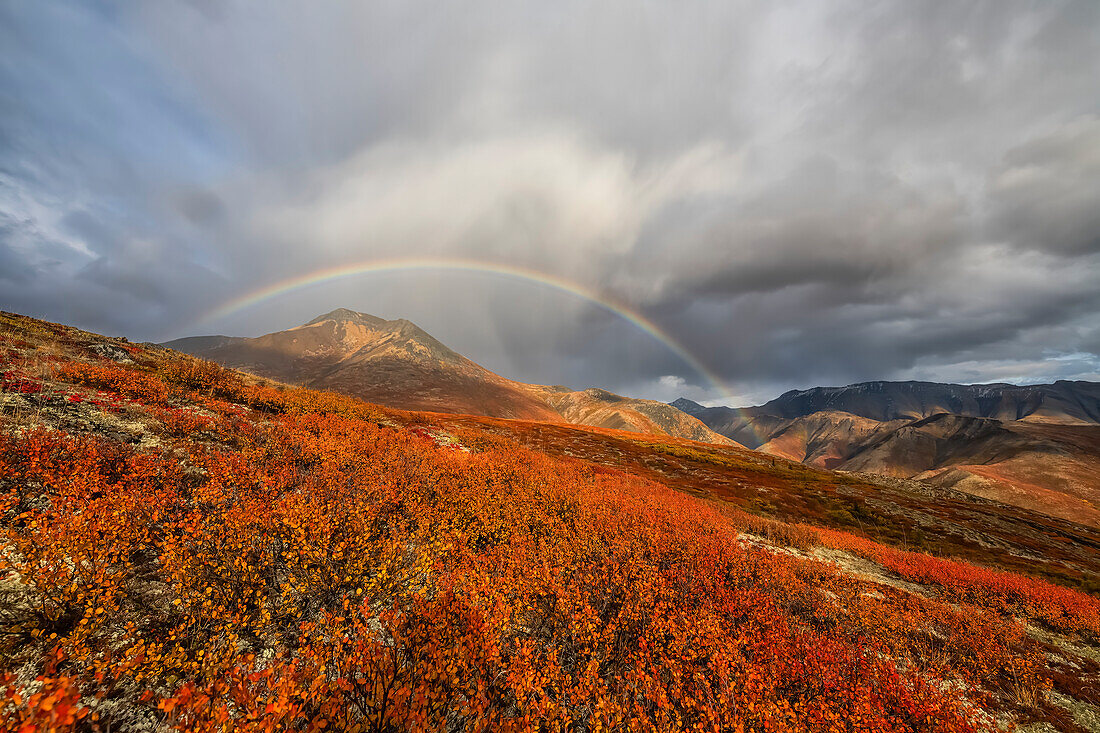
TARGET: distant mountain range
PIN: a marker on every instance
(1061, 402)
(396, 363)
(1036, 446)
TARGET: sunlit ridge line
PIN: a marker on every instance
(329, 274)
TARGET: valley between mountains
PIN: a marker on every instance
(188, 546)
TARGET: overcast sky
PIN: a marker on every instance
(799, 193)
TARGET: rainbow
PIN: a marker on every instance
(370, 267)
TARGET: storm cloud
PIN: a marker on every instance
(798, 193)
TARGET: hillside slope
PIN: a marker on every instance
(602, 409)
(382, 361)
(398, 364)
(191, 548)
(1047, 460)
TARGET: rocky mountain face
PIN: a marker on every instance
(387, 362)
(398, 364)
(1035, 446)
(1062, 402)
(603, 409)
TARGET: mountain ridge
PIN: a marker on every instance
(1035, 446)
(1061, 401)
(398, 364)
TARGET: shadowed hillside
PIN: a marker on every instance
(1036, 446)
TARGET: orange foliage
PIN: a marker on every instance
(202, 376)
(321, 571)
(1061, 608)
(112, 378)
(54, 706)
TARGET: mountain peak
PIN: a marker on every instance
(343, 315)
(687, 406)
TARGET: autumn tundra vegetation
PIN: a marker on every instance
(187, 547)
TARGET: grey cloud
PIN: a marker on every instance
(122, 280)
(1047, 190)
(795, 192)
(90, 231)
(200, 207)
(12, 267)
(819, 226)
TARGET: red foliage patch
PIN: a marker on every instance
(14, 382)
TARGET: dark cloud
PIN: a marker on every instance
(794, 192)
(12, 267)
(1045, 194)
(201, 208)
